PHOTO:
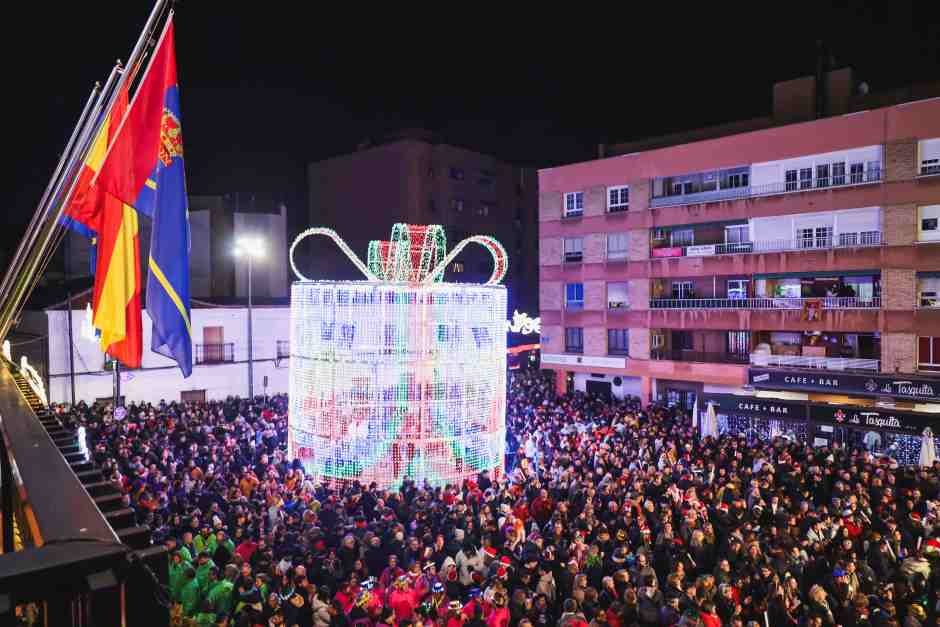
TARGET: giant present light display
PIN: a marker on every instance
(400, 375)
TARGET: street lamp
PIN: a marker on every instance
(252, 248)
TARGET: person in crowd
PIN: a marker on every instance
(616, 514)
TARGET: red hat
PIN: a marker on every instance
(505, 560)
(491, 551)
(501, 572)
(915, 516)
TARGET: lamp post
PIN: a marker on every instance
(252, 248)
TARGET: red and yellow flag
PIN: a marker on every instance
(116, 304)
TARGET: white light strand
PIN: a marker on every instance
(394, 380)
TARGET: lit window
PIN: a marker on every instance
(456, 204)
(574, 296)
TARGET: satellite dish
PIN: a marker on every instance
(618, 381)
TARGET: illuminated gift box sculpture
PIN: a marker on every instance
(400, 375)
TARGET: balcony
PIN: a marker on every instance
(846, 240)
(816, 363)
(698, 356)
(871, 175)
(207, 354)
(826, 302)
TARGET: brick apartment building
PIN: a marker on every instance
(414, 177)
(794, 258)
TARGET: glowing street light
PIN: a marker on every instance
(251, 248)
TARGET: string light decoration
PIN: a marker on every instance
(401, 375)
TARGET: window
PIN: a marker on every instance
(791, 180)
(856, 172)
(739, 342)
(574, 204)
(618, 295)
(838, 173)
(822, 175)
(819, 237)
(657, 340)
(682, 289)
(456, 204)
(573, 249)
(928, 353)
(456, 174)
(737, 234)
(733, 179)
(617, 246)
(683, 340)
(574, 296)
(618, 198)
(484, 210)
(873, 171)
(485, 182)
(929, 154)
(929, 298)
(737, 288)
(928, 223)
(574, 340)
(682, 237)
(618, 341)
(848, 239)
(806, 178)
(457, 267)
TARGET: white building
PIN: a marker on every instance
(220, 356)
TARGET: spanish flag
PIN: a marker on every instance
(116, 302)
(144, 168)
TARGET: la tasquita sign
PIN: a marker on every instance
(838, 415)
(867, 418)
(898, 386)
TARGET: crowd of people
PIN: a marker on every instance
(613, 515)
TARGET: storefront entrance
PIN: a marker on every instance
(599, 388)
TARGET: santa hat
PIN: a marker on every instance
(491, 552)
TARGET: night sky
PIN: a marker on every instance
(266, 89)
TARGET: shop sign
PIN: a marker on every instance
(705, 250)
(898, 386)
(871, 418)
(753, 406)
(667, 252)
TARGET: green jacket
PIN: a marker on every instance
(189, 597)
(202, 576)
(222, 597)
(205, 544)
(177, 579)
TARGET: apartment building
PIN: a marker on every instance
(795, 263)
(414, 177)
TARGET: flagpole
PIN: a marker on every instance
(20, 288)
(12, 270)
(84, 142)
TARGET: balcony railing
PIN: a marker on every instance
(574, 305)
(283, 349)
(845, 240)
(699, 356)
(930, 170)
(215, 353)
(816, 363)
(826, 302)
(873, 175)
